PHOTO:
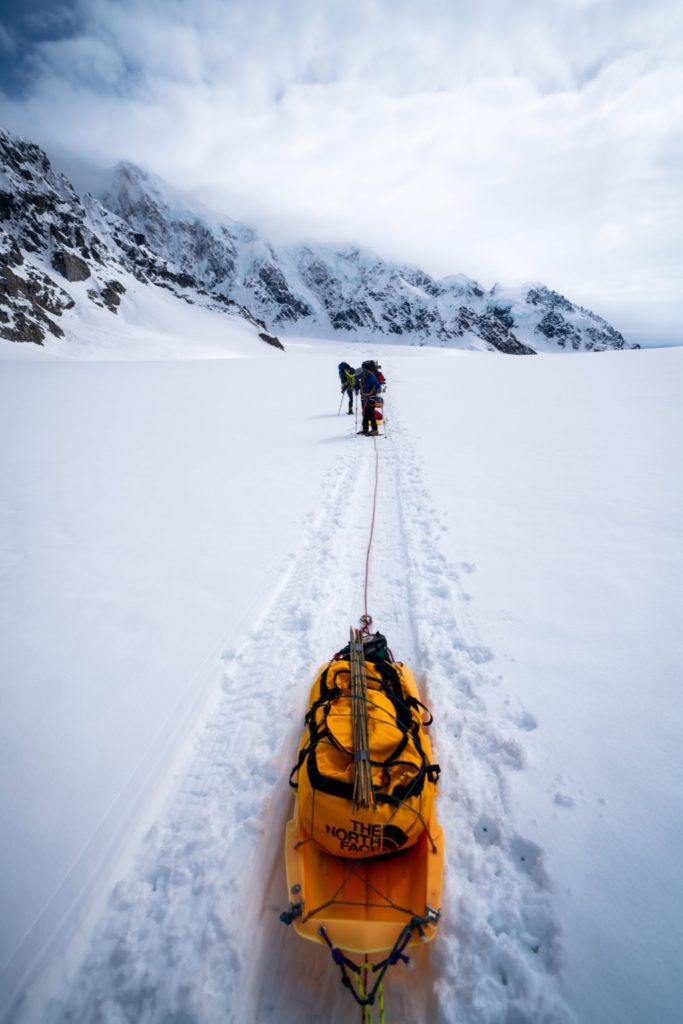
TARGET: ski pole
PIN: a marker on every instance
(340, 404)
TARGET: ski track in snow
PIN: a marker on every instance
(192, 935)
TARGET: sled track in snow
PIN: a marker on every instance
(192, 936)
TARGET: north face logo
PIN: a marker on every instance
(364, 838)
(393, 838)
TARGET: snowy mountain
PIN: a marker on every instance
(348, 292)
(58, 250)
(51, 239)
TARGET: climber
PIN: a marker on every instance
(347, 377)
(369, 388)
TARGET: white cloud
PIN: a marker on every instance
(533, 140)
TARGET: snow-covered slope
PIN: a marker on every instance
(183, 541)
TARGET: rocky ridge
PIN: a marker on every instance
(58, 249)
(348, 292)
(51, 240)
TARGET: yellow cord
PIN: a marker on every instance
(367, 1010)
(361, 992)
(380, 1000)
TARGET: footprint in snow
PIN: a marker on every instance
(477, 652)
(486, 832)
(528, 858)
(526, 721)
(297, 620)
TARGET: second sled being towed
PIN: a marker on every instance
(364, 850)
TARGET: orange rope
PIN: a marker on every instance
(367, 619)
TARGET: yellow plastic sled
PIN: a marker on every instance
(365, 906)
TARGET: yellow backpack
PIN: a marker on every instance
(403, 776)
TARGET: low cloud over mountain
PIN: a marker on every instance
(60, 251)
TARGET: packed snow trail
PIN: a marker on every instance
(192, 934)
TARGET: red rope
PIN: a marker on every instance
(366, 619)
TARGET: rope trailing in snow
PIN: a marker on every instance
(380, 1003)
(366, 1010)
(365, 1014)
(366, 618)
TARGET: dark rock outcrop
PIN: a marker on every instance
(270, 339)
(70, 266)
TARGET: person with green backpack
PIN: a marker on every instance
(347, 376)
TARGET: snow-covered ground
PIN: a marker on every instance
(184, 521)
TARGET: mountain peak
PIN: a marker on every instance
(146, 228)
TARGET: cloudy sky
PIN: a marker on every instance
(511, 141)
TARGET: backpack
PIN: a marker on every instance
(403, 775)
(343, 370)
